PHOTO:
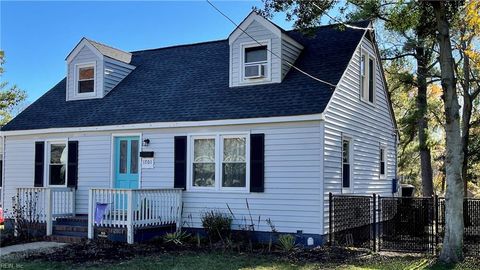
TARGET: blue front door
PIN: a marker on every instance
(126, 162)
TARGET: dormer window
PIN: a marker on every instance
(86, 79)
(255, 62)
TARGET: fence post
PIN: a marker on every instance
(330, 218)
(130, 233)
(90, 214)
(374, 222)
(436, 221)
(48, 210)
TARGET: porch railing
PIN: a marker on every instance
(39, 204)
(133, 208)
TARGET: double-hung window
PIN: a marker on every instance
(346, 164)
(234, 163)
(203, 166)
(383, 162)
(367, 77)
(57, 166)
(219, 162)
(255, 61)
(85, 79)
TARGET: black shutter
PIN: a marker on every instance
(39, 163)
(180, 157)
(72, 178)
(257, 162)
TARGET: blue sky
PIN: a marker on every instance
(37, 36)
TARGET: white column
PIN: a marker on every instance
(178, 221)
(48, 210)
(130, 233)
(91, 218)
(73, 201)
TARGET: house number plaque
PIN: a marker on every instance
(148, 163)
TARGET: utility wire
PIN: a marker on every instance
(286, 61)
(342, 23)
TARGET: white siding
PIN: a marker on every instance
(290, 53)
(292, 197)
(369, 126)
(115, 72)
(259, 33)
(85, 55)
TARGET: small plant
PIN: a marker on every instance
(217, 225)
(273, 233)
(286, 242)
(177, 238)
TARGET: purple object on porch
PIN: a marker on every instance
(100, 209)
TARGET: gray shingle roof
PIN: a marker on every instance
(190, 83)
(111, 52)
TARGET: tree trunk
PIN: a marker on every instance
(422, 122)
(453, 240)
(466, 113)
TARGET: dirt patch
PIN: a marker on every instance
(99, 252)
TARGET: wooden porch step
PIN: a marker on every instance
(66, 239)
(69, 228)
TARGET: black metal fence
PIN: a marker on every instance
(471, 220)
(352, 221)
(406, 224)
(398, 223)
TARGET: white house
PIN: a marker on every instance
(271, 117)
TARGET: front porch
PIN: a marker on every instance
(128, 214)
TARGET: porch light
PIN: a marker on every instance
(146, 142)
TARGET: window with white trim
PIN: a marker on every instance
(367, 77)
(219, 162)
(85, 79)
(234, 163)
(255, 61)
(383, 162)
(203, 165)
(346, 163)
(57, 166)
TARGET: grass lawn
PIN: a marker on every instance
(227, 261)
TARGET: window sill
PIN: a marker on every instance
(214, 190)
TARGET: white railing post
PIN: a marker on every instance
(48, 211)
(91, 218)
(178, 221)
(73, 202)
(130, 233)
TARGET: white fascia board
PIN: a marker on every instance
(226, 122)
(84, 42)
(253, 16)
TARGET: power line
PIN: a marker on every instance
(286, 61)
(342, 23)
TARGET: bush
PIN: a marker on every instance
(217, 225)
(286, 242)
(178, 238)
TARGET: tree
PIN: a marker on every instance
(10, 97)
(453, 240)
(307, 13)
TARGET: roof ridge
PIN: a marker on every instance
(179, 45)
(225, 39)
(108, 46)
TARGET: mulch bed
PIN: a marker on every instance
(104, 251)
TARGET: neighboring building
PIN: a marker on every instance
(228, 122)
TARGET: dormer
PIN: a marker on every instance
(94, 69)
(260, 52)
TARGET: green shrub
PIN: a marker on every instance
(217, 225)
(178, 238)
(286, 242)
